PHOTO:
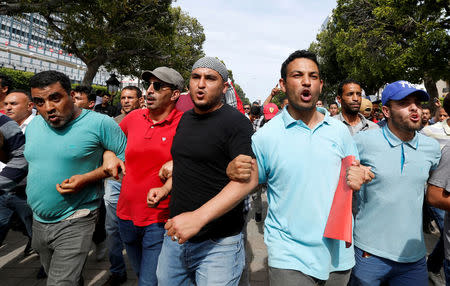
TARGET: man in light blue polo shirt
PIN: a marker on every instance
(299, 155)
(389, 243)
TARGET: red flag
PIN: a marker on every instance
(339, 224)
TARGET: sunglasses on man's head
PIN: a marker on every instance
(157, 85)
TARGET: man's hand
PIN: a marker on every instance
(72, 185)
(155, 195)
(357, 175)
(112, 165)
(240, 168)
(275, 90)
(184, 226)
(166, 171)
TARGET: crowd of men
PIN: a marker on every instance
(173, 185)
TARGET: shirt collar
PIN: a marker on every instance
(169, 118)
(364, 121)
(288, 120)
(395, 141)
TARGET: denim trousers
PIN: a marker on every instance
(63, 247)
(113, 240)
(208, 263)
(374, 270)
(143, 245)
(9, 203)
(436, 257)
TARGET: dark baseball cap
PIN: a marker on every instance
(165, 74)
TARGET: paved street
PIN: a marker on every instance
(17, 270)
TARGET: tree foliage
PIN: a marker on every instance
(20, 79)
(380, 41)
(127, 36)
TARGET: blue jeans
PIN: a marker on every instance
(447, 271)
(436, 257)
(373, 270)
(113, 240)
(143, 245)
(208, 263)
(9, 203)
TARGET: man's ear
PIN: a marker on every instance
(282, 85)
(175, 95)
(386, 111)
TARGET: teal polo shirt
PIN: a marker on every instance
(301, 167)
(389, 219)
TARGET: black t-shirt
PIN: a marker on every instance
(203, 146)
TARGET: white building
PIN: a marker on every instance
(25, 45)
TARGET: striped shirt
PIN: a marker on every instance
(439, 131)
(13, 146)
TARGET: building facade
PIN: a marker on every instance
(25, 45)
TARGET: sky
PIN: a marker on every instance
(253, 38)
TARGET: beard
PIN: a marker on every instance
(349, 110)
(210, 104)
(403, 122)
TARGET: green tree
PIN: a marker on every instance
(378, 41)
(127, 36)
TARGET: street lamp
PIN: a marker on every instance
(112, 84)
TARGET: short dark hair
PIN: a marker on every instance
(46, 78)
(92, 97)
(83, 89)
(6, 81)
(255, 111)
(27, 93)
(446, 103)
(283, 98)
(297, 55)
(347, 81)
(135, 88)
(333, 103)
(426, 106)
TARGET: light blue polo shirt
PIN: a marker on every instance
(389, 219)
(301, 167)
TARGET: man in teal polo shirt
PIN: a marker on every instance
(389, 242)
(299, 155)
(64, 149)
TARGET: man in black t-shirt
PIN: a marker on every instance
(204, 244)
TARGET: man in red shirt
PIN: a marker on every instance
(150, 133)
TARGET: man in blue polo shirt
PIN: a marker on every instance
(389, 243)
(299, 155)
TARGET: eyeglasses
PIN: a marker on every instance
(368, 109)
(157, 85)
(247, 108)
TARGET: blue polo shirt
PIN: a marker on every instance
(389, 219)
(301, 167)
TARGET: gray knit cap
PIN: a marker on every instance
(214, 64)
